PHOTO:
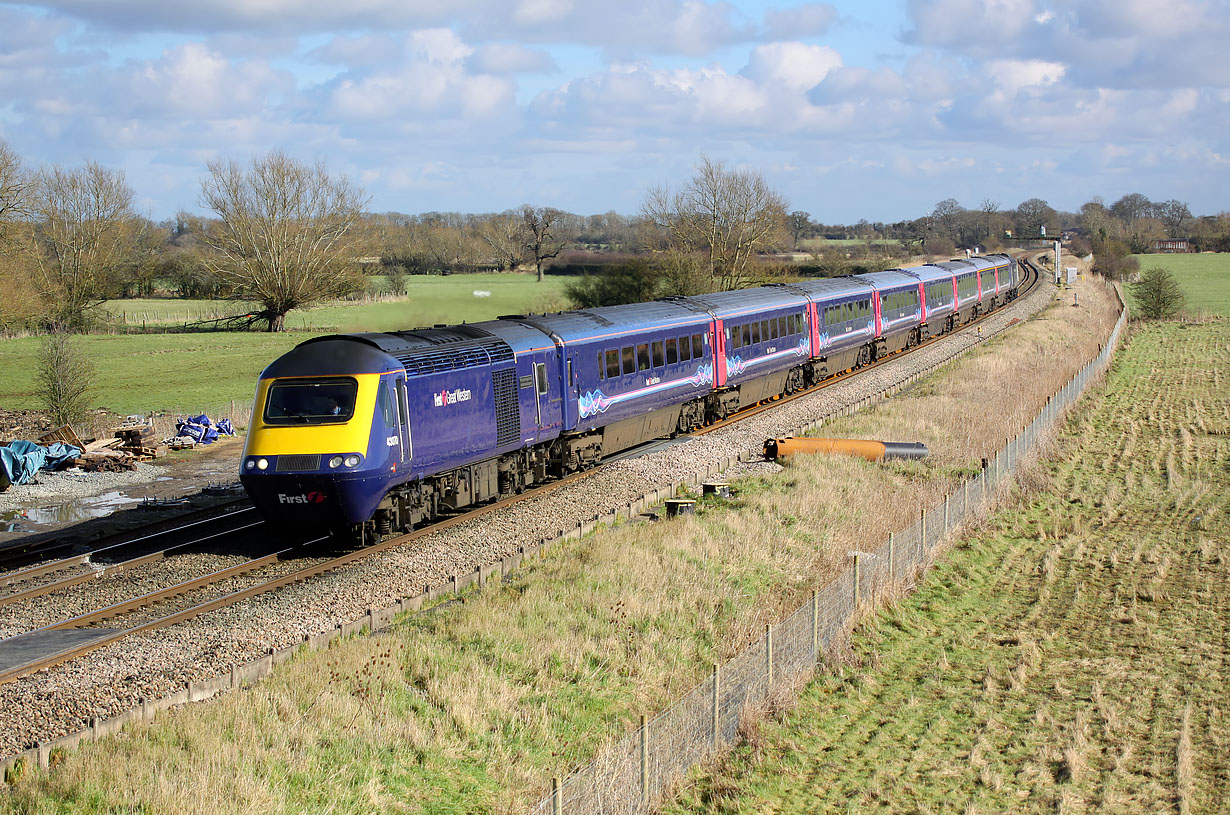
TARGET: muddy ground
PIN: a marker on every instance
(89, 505)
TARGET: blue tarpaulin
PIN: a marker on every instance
(201, 430)
(20, 460)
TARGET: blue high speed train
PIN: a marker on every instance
(372, 433)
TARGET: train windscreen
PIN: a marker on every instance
(310, 401)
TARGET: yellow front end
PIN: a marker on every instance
(281, 439)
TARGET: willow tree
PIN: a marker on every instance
(284, 236)
(726, 216)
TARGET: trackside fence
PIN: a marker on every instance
(629, 775)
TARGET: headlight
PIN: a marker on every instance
(353, 460)
(262, 464)
(251, 463)
(335, 462)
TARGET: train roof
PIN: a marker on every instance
(609, 321)
(894, 279)
(932, 272)
(827, 288)
(731, 304)
(425, 350)
(519, 337)
(332, 355)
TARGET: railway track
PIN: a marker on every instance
(21, 557)
(192, 606)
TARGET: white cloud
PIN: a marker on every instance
(509, 58)
(795, 65)
(431, 80)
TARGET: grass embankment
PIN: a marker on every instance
(1072, 656)
(194, 372)
(474, 707)
(1205, 279)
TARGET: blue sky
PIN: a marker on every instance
(852, 110)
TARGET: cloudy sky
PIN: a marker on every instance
(854, 109)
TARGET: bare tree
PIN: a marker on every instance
(541, 240)
(63, 378)
(728, 215)
(84, 231)
(15, 186)
(1173, 214)
(505, 236)
(283, 233)
(946, 217)
(1032, 215)
(799, 223)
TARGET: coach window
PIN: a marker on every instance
(629, 360)
(698, 346)
(755, 326)
(672, 351)
(601, 366)
(736, 338)
(612, 363)
(659, 359)
(685, 349)
(775, 330)
(642, 356)
(764, 330)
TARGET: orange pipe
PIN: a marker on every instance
(871, 450)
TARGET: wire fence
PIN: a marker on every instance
(630, 774)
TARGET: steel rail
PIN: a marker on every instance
(114, 568)
(171, 526)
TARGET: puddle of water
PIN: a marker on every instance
(75, 511)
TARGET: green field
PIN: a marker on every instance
(1205, 279)
(1073, 656)
(139, 373)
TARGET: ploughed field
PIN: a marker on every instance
(1071, 656)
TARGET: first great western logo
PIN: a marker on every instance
(447, 397)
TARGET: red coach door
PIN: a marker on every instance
(719, 354)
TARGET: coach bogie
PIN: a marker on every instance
(720, 405)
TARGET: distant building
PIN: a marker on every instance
(1170, 247)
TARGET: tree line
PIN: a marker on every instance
(286, 234)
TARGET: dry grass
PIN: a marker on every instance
(476, 706)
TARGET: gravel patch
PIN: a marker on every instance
(59, 487)
(111, 680)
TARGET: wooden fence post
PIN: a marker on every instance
(815, 625)
(768, 644)
(717, 695)
(557, 804)
(856, 580)
(644, 762)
